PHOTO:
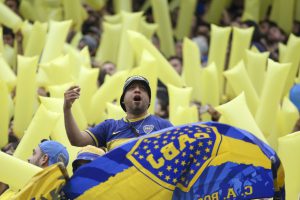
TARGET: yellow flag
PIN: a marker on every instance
(271, 95)
(16, 172)
(256, 65)
(239, 81)
(241, 119)
(130, 21)
(56, 37)
(185, 18)
(25, 93)
(178, 97)
(162, 18)
(45, 184)
(9, 18)
(192, 67)
(289, 150)
(4, 114)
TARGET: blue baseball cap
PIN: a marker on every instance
(295, 95)
(55, 151)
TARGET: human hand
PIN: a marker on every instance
(70, 96)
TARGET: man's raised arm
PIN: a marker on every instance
(76, 137)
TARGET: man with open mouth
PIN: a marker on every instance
(135, 101)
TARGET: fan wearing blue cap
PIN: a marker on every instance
(135, 101)
(49, 152)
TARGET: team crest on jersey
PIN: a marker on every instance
(148, 128)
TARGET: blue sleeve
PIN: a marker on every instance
(99, 133)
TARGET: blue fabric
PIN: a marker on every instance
(118, 129)
(184, 160)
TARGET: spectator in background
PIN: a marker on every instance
(107, 68)
(201, 38)
(49, 152)
(86, 155)
(90, 42)
(176, 62)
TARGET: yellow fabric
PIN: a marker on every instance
(122, 5)
(274, 15)
(27, 10)
(147, 29)
(263, 8)
(1, 39)
(74, 58)
(7, 195)
(256, 65)
(185, 18)
(148, 69)
(291, 56)
(117, 142)
(185, 115)
(45, 184)
(58, 132)
(87, 81)
(288, 151)
(289, 116)
(162, 18)
(217, 50)
(56, 72)
(36, 39)
(238, 151)
(15, 172)
(9, 18)
(130, 21)
(6, 74)
(113, 19)
(239, 81)
(240, 42)
(110, 90)
(96, 4)
(25, 93)
(110, 41)
(114, 188)
(4, 114)
(85, 57)
(214, 13)
(251, 10)
(271, 95)
(40, 128)
(114, 111)
(192, 68)
(178, 97)
(26, 29)
(72, 11)
(286, 15)
(236, 113)
(209, 77)
(167, 73)
(297, 10)
(55, 40)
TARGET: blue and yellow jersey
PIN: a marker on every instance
(112, 133)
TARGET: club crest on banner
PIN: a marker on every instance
(166, 157)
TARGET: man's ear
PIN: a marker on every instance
(44, 160)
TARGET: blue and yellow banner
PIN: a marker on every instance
(196, 161)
